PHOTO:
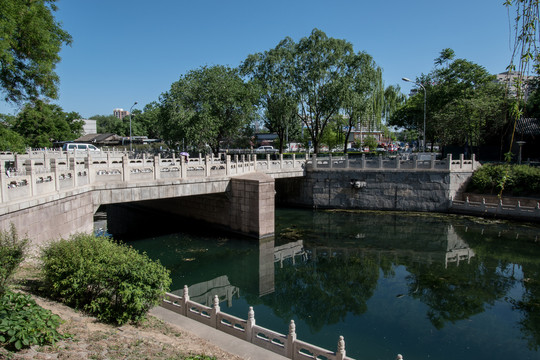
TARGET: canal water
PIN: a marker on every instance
(424, 285)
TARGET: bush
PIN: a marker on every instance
(514, 180)
(11, 254)
(113, 282)
(23, 323)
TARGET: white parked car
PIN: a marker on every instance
(79, 147)
(266, 150)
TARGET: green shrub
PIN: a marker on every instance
(113, 282)
(515, 180)
(11, 254)
(23, 323)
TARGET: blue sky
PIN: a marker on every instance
(126, 51)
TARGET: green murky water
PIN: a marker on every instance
(425, 286)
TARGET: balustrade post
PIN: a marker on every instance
(228, 165)
(125, 168)
(363, 161)
(398, 162)
(294, 161)
(183, 167)
(29, 170)
(281, 161)
(432, 162)
(54, 169)
(449, 160)
(268, 161)
(90, 170)
(340, 353)
(473, 160)
(346, 161)
(185, 300)
(291, 339)
(157, 167)
(3, 197)
(250, 324)
(330, 161)
(380, 161)
(314, 161)
(207, 166)
(214, 312)
(415, 162)
(461, 158)
(73, 167)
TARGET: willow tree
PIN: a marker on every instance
(271, 71)
(362, 82)
(319, 79)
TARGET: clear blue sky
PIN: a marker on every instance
(126, 51)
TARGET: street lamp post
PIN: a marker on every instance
(422, 86)
(130, 141)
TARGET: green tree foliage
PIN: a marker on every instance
(464, 105)
(12, 250)
(41, 124)
(362, 82)
(9, 139)
(320, 71)
(147, 121)
(207, 106)
(30, 40)
(525, 53)
(111, 281)
(271, 71)
(111, 124)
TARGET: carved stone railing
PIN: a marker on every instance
(246, 329)
(483, 208)
(38, 173)
(425, 163)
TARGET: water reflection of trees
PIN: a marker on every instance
(457, 292)
(323, 290)
(529, 305)
(514, 247)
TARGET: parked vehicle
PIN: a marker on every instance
(79, 147)
(266, 149)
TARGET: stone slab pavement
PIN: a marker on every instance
(225, 341)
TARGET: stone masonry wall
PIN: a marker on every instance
(372, 190)
(53, 220)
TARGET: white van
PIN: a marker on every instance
(79, 147)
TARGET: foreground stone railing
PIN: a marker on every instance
(246, 329)
(424, 163)
(496, 209)
(39, 173)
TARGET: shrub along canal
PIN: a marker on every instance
(423, 285)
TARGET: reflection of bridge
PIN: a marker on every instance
(205, 292)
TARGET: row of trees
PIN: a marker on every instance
(313, 90)
(317, 89)
(465, 106)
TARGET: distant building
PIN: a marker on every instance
(511, 78)
(89, 126)
(120, 113)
